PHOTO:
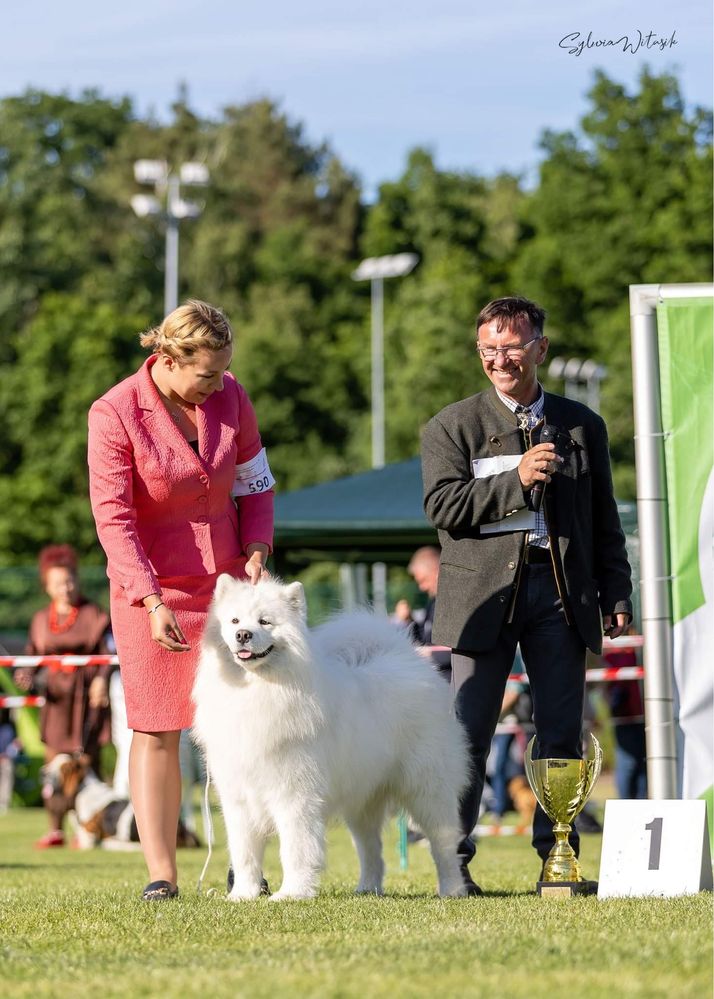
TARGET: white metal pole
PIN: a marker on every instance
(171, 273)
(379, 569)
(379, 587)
(374, 270)
(654, 555)
(348, 586)
(377, 300)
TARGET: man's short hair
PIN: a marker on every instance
(426, 555)
(507, 311)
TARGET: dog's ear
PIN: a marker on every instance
(296, 597)
(222, 584)
(67, 768)
(72, 773)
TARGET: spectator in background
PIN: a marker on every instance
(9, 751)
(75, 717)
(424, 569)
(121, 733)
(193, 772)
(516, 710)
(624, 698)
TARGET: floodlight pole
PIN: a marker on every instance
(375, 270)
(377, 304)
(168, 204)
(171, 268)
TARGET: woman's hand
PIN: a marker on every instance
(98, 693)
(23, 677)
(255, 566)
(165, 629)
(402, 611)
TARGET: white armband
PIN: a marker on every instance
(253, 477)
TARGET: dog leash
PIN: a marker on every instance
(209, 830)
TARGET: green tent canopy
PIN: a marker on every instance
(374, 516)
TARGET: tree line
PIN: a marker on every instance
(625, 197)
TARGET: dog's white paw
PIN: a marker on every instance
(285, 894)
(244, 893)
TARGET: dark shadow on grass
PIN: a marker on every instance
(403, 896)
(44, 866)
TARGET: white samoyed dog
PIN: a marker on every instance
(298, 726)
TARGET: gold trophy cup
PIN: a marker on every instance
(562, 787)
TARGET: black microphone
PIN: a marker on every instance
(549, 434)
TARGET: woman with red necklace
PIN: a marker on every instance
(75, 717)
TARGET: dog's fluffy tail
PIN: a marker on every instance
(361, 637)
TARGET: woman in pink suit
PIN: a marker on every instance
(181, 491)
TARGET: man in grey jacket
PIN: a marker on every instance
(532, 548)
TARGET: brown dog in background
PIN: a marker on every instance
(524, 801)
(100, 817)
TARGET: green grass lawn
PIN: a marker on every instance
(71, 924)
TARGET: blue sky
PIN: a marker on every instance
(475, 81)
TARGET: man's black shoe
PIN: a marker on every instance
(231, 878)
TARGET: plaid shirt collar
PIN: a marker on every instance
(534, 412)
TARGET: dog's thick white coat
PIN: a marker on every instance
(297, 726)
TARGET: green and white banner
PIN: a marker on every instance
(685, 330)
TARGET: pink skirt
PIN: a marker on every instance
(157, 682)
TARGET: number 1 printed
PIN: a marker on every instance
(655, 827)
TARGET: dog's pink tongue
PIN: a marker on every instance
(244, 654)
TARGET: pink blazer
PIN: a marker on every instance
(162, 511)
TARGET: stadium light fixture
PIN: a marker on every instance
(168, 203)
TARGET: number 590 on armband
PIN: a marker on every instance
(253, 477)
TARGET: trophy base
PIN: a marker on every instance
(566, 889)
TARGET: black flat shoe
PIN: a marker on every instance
(230, 881)
(157, 891)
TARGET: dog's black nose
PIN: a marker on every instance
(244, 636)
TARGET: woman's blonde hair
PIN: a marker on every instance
(193, 326)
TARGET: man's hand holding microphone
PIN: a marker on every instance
(539, 462)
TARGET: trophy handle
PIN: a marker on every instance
(594, 765)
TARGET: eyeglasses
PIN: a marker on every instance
(512, 353)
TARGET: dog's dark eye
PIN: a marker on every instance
(264, 621)
(235, 621)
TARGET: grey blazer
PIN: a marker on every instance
(479, 573)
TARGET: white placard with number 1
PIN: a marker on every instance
(654, 848)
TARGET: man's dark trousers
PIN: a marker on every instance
(554, 656)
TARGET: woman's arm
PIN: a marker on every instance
(254, 493)
(111, 466)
